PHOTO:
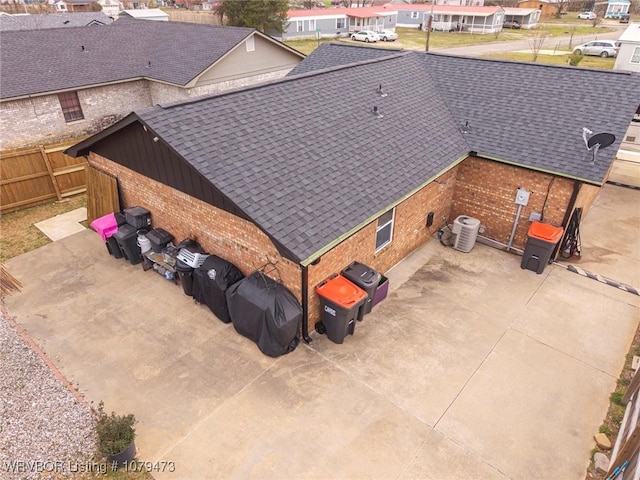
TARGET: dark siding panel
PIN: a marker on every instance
(134, 148)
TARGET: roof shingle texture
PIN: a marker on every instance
(52, 20)
(165, 51)
(307, 159)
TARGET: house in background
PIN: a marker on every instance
(81, 83)
(338, 169)
(145, 14)
(548, 8)
(336, 22)
(53, 20)
(450, 18)
(527, 17)
(628, 60)
(616, 8)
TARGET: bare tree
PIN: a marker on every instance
(536, 40)
(572, 31)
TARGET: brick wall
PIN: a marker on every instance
(39, 120)
(409, 232)
(221, 233)
(486, 190)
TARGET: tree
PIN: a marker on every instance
(536, 41)
(263, 15)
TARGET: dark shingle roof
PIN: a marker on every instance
(307, 159)
(524, 113)
(52, 20)
(178, 52)
(332, 55)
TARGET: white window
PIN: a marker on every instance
(299, 26)
(635, 58)
(312, 25)
(340, 23)
(251, 44)
(384, 230)
(414, 15)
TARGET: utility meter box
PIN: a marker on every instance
(522, 197)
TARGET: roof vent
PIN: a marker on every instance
(381, 92)
(149, 64)
(376, 112)
(82, 48)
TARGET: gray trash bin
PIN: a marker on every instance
(364, 277)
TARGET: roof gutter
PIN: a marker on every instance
(544, 170)
(313, 257)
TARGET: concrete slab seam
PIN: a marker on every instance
(216, 410)
(600, 278)
(43, 356)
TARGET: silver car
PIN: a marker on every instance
(601, 48)
(387, 35)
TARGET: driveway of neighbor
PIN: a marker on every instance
(471, 368)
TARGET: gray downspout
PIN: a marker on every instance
(305, 304)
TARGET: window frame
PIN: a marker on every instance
(343, 23)
(299, 25)
(250, 44)
(390, 223)
(71, 106)
(635, 55)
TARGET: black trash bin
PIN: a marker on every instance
(185, 273)
(138, 217)
(127, 239)
(364, 277)
(542, 239)
(159, 239)
(341, 304)
(211, 280)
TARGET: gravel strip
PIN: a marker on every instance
(44, 431)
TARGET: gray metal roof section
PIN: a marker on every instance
(66, 58)
(329, 55)
(533, 115)
(306, 158)
(53, 20)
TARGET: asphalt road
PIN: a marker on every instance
(549, 44)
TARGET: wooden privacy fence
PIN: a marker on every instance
(40, 174)
(102, 194)
(625, 457)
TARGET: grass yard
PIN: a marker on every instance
(17, 232)
(587, 62)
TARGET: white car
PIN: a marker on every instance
(587, 16)
(365, 36)
(387, 35)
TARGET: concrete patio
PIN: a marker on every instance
(471, 368)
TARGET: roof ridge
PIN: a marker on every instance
(165, 106)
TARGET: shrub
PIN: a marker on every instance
(115, 432)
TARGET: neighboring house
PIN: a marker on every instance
(146, 14)
(324, 167)
(79, 5)
(616, 8)
(111, 8)
(86, 78)
(53, 20)
(527, 17)
(448, 18)
(61, 6)
(335, 22)
(548, 8)
(628, 60)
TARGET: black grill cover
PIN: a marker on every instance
(210, 283)
(266, 312)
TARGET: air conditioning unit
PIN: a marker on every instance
(466, 232)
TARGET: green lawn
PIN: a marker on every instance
(587, 62)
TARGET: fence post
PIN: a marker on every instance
(45, 157)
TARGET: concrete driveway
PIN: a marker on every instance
(472, 368)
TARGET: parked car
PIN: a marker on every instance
(602, 48)
(587, 15)
(624, 18)
(387, 35)
(511, 24)
(365, 36)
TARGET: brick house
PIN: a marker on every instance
(64, 83)
(344, 160)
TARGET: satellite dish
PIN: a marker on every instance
(597, 141)
(602, 140)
